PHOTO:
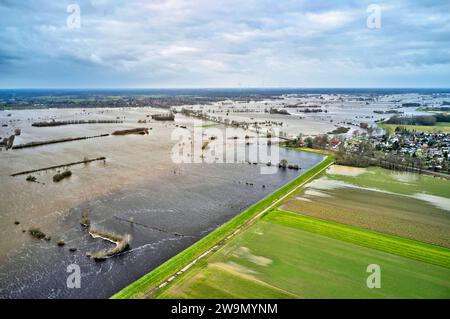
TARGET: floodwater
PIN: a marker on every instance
(139, 190)
(346, 170)
(341, 110)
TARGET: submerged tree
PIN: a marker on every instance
(283, 163)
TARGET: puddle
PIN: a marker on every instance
(346, 170)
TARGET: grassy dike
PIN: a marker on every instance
(154, 278)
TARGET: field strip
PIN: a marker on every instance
(403, 247)
(178, 264)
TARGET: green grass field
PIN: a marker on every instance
(392, 244)
(286, 255)
(443, 127)
(144, 285)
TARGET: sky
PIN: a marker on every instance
(224, 43)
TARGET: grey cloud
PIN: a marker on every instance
(159, 42)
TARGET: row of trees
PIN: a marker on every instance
(321, 141)
(427, 120)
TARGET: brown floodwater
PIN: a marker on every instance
(139, 190)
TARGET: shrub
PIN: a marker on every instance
(31, 178)
(283, 163)
(85, 221)
(61, 176)
(36, 233)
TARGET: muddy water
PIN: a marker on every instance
(139, 190)
(347, 112)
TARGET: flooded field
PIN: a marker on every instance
(336, 110)
(139, 190)
(398, 203)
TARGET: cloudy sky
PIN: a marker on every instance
(224, 43)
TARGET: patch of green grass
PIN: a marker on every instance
(219, 281)
(311, 150)
(279, 257)
(141, 287)
(442, 124)
(391, 244)
(438, 127)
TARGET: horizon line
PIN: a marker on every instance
(221, 88)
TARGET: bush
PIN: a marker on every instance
(309, 142)
(58, 177)
(442, 117)
(340, 130)
(85, 221)
(283, 163)
(36, 233)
